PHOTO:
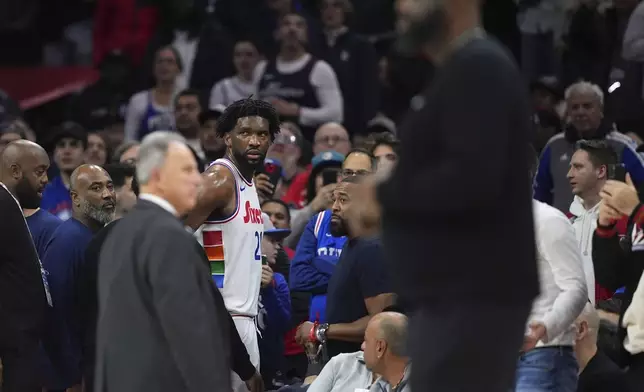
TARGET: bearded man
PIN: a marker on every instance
(93, 206)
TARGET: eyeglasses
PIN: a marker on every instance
(330, 140)
(350, 173)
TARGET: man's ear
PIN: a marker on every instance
(75, 198)
(16, 171)
(602, 172)
(227, 140)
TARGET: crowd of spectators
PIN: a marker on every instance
(330, 69)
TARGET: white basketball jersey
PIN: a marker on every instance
(234, 247)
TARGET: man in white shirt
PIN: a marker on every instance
(589, 168)
(547, 361)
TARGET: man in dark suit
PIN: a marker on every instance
(160, 326)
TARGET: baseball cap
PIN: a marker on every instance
(211, 114)
(326, 158)
(68, 129)
(271, 231)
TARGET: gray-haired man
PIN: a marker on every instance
(160, 327)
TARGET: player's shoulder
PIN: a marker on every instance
(217, 172)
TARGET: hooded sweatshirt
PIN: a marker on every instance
(584, 221)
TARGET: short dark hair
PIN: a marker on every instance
(599, 152)
(122, 148)
(119, 172)
(374, 161)
(280, 202)
(189, 92)
(386, 138)
(246, 108)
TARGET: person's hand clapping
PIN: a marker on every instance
(323, 199)
(620, 196)
(267, 276)
(265, 188)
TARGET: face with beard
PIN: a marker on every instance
(93, 194)
(340, 208)
(421, 23)
(249, 141)
(31, 173)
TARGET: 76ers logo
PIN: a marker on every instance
(253, 215)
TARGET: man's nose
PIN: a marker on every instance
(108, 194)
(254, 140)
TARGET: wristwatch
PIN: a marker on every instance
(320, 332)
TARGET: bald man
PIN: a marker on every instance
(93, 206)
(23, 294)
(29, 179)
(385, 351)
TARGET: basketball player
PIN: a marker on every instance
(228, 218)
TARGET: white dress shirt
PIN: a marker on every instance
(561, 273)
(161, 202)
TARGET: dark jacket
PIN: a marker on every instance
(355, 64)
(161, 326)
(22, 293)
(619, 261)
(449, 230)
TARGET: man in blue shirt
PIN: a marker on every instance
(94, 203)
(69, 143)
(31, 182)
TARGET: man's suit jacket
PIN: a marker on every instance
(159, 326)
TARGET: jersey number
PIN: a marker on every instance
(258, 248)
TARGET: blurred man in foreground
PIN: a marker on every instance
(429, 211)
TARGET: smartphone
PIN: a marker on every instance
(264, 260)
(273, 169)
(616, 172)
(329, 177)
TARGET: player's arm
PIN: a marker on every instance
(217, 191)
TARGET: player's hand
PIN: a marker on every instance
(621, 196)
(323, 199)
(303, 334)
(267, 276)
(255, 383)
(265, 188)
(537, 332)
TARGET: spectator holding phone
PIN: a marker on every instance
(585, 111)
(274, 314)
(619, 260)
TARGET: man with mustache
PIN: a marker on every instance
(24, 295)
(228, 217)
(93, 206)
(471, 310)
